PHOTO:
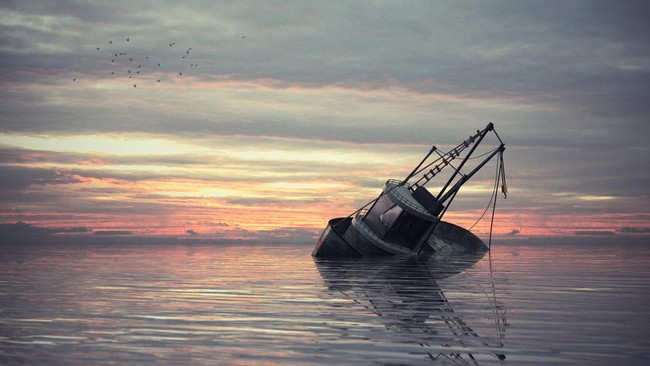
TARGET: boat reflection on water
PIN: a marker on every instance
(404, 293)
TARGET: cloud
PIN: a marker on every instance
(594, 233)
(113, 232)
(11, 209)
(336, 92)
(20, 229)
(17, 177)
(287, 235)
(218, 224)
(635, 230)
(595, 65)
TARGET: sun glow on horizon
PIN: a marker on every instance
(236, 187)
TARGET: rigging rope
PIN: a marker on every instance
(482, 155)
(494, 204)
(492, 197)
(499, 178)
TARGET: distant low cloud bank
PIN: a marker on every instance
(595, 233)
(635, 230)
(113, 232)
(21, 228)
(20, 233)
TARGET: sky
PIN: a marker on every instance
(260, 121)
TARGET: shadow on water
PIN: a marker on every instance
(404, 293)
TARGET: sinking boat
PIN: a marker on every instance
(406, 218)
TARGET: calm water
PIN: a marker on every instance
(251, 305)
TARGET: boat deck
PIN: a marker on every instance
(372, 237)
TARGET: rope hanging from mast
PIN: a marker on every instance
(500, 172)
(500, 178)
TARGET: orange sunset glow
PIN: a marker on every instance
(256, 128)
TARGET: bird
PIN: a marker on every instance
(132, 72)
(74, 79)
(243, 36)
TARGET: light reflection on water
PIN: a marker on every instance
(405, 296)
(249, 305)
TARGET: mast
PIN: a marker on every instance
(453, 190)
(446, 194)
(481, 135)
(446, 160)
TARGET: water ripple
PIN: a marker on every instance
(250, 305)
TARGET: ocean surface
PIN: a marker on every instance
(147, 304)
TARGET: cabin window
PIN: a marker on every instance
(389, 216)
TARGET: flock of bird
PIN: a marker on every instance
(139, 68)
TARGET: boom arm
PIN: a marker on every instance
(467, 176)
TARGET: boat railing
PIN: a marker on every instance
(407, 201)
(397, 182)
